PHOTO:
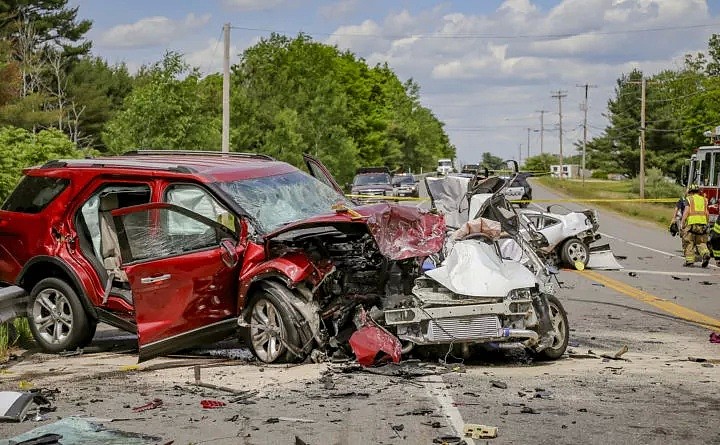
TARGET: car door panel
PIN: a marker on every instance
(183, 292)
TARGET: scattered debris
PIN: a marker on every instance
(447, 440)
(707, 283)
(528, 410)
(704, 360)
(620, 257)
(618, 355)
(632, 274)
(417, 412)
(476, 431)
(543, 394)
(598, 284)
(212, 404)
(288, 419)
(714, 337)
(675, 277)
(155, 403)
(299, 441)
(498, 384)
(14, 405)
(76, 352)
(199, 382)
(406, 369)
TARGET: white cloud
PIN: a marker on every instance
(340, 9)
(253, 5)
(151, 31)
(468, 61)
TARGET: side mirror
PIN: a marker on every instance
(229, 253)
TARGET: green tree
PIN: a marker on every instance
(170, 108)
(492, 162)
(541, 163)
(20, 148)
(47, 22)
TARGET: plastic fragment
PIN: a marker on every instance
(212, 404)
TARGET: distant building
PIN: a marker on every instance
(569, 171)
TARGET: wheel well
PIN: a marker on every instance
(47, 269)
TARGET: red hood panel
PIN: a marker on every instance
(400, 231)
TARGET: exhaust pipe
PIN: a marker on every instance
(518, 333)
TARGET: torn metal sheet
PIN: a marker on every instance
(446, 194)
(405, 232)
(370, 341)
(602, 258)
(459, 272)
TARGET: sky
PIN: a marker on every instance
(486, 68)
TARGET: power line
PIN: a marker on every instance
(481, 36)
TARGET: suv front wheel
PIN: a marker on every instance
(57, 318)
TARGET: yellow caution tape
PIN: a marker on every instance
(386, 198)
(653, 200)
(24, 384)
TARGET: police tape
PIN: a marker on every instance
(647, 200)
(386, 198)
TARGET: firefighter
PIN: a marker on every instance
(694, 226)
(715, 241)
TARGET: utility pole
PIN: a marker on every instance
(542, 128)
(642, 137)
(528, 145)
(226, 90)
(559, 95)
(519, 155)
(585, 110)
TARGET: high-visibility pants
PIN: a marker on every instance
(693, 241)
(715, 246)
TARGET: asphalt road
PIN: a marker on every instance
(651, 395)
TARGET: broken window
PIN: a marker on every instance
(199, 201)
(163, 232)
(274, 201)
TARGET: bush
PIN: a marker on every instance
(657, 186)
(599, 174)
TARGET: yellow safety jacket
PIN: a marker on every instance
(696, 210)
(716, 226)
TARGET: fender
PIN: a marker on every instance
(292, 268)
(75, 280)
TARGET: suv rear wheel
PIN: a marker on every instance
(57, 318)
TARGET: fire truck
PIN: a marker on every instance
(703, 169)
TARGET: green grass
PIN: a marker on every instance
(658, 213)
(13, 335)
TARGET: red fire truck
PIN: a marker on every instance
(703, 169)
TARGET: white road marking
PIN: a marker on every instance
(445, 400)
(648, 248)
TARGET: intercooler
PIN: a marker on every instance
(463, 328)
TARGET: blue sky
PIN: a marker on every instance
(485, 67)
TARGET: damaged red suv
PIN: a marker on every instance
(185, 248)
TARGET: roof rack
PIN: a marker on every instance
(102, 163)
(199, 153)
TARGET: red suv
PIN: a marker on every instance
(184, 248)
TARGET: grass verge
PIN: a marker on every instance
(13, 334)
(658, 213)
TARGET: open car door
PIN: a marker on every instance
(182, 269)
(320, 172)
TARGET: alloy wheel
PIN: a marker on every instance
(559, 326)
(53, 316)
(267, 331)
(577, 252)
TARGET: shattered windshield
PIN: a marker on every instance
(372, 178)
(274, 201)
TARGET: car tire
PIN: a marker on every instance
(574, 250)
(559, 320)
(57, 318)
(271, 328)
(523, 205)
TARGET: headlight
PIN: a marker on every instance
(520, 294)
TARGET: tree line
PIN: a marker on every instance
(290, 95)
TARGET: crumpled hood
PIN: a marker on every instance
(400, 231)
(473, 268)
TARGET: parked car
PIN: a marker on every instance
(405, 185)
(184, 248)
(371, 182)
